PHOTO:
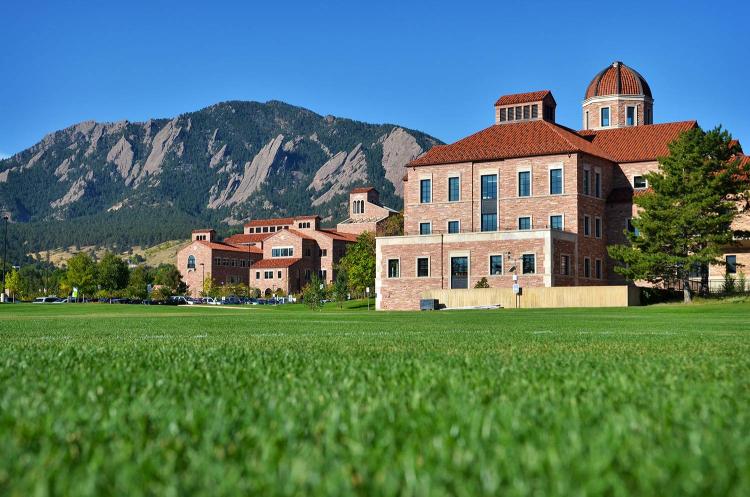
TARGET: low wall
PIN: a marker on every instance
(583, 296)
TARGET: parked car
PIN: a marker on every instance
(45, 300)
(179, 300)
(231, 300)
(211, 301)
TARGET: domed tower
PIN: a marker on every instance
(617, 97)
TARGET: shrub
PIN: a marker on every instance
(741, 282)
(314, 293)
(729, 284)
(483, 283)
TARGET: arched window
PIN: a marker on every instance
(361, 206)
(191, 262)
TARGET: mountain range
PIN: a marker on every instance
(139, 183)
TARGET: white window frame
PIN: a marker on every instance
(521, 263)
(420, 227)
(639, 187)
(609, 117)
(531, 222)
(586, 169)
(450, 177)
(635, 115)
(425, 178)
(447, 224)
(416, 266)
(388, 268)
(562, 216)
(291, 253)
(561, 167)
(518, 182)
(502, 264)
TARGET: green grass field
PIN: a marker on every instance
(133, 400)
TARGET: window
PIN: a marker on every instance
(586, 124)
(323, 252)
(731, 261)
(191, 262)
(598, 269)
(496, 265)
(502, 115)
(597, 184)
(556, 222)
(225, 262)
(268, 275)
(534, 111)
(257, 275)
(633, 229)
(489, 222)
(265, 229)
(308, 274)
(323, 274)
(278, 274)
(453, 227)
(605, 117)
(510, 113)
(308, 252)
(598, 227)
(489, 186)
(565, 265)
(423, 267)
(639, 182)
(586, 226)
(355, 207)
(526, 111)
(528, 264)
(586, 267)
(425, 191)
(233, 262)
(555, 181)
(518, 113)
(524, 183)
(454, 189)
(524, 223)
(282, 252)
(393, 268)
(425, 228)
(630, 116)
(586, 181)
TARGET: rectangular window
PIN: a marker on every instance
(598, 269)
(565, 265)
(308, 274)
(526, 111)
(630, 116)
(282, 252)
(534, 111)
(393, 268)
(586, 226)
(489, 186)
(453, 227)
(555, 181)
(425, 228)
(423, 267)
(257, 275)
(278, 274)
(425, 191)
(268, 275)
(528, 264)
(524, 184)
(639, 182)
(586, 181)
(598, 184)
(556, 222)
(598, 227)
(217, 261)
(454, 189)
(518, 113)
(586, 125)
(502, 115)
(731, 261)
(323, 274)
(586, 267)
(510, 113)
(605, 117)
(524, 223)
(265, 229)
(489, 222)
(496, 265)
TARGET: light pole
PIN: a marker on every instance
(5, 253)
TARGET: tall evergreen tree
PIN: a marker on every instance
(685, 218)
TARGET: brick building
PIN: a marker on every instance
(527, 198)
(280, 253)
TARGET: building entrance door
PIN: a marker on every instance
(459, 272)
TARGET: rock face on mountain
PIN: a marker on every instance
(230, 161)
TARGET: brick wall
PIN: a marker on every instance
(617, 112)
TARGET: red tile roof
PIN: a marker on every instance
(637, 143)
(203, 230)
(522, 98)
(363, 189)
(279, 221)
(618, 79)
(275, 263)
(230, 248)
(522, 139)
(241, 238)
(339, 235)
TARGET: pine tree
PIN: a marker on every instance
(686, 216)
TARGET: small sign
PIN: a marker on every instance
(75, 292)
(516, 288)
(367, 289)
(515, 277)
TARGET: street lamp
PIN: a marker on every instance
(5, 253)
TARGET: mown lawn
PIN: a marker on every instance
(134, 400)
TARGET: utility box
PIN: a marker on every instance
(428, 305)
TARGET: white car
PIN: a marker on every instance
(211, 301)
(46, 300)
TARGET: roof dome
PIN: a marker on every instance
(618, 79)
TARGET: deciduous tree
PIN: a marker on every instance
(359, 263)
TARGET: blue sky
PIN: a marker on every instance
(433, 66)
